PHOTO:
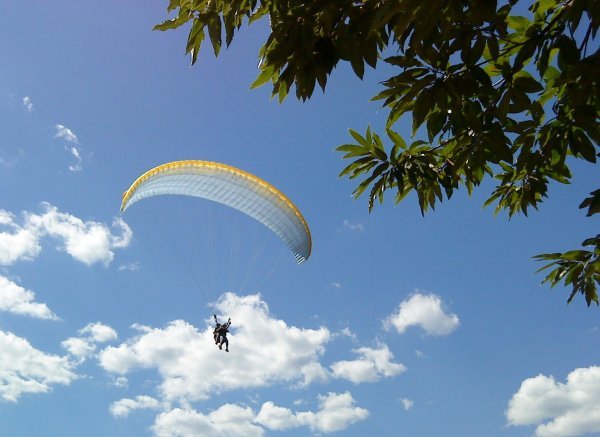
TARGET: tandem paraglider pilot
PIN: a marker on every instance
(220, 333)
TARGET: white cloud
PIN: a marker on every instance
(121, 382)
(559, 410)
(84, 346)
(74, 151)
(18, 300)
(72, 141)
(99, 332)
(123, 407)
(87, 241)
(372, 365)
(6, 218)
(425, 311)
(24, 369)
(347, 332)
(277, 418)
(132, 267)
(16, 243)
(27, 104)
(407, 403)
(336, 412)
(230, 420)
(264, 350)
(66, 134)
(357, 227)
(79, 348)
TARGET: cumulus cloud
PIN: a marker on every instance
(27, 103)
(16, 243)
(231, 420)
(121, 382)
(89, 242)
(84, 346)
(86, 241)
(426, 311)
(372, 365)
(98, 332)
(558, 410)
(264, 350)
(79, 348)
(25, 369)
(66, 134)
(123, 407)
(18, 300)
(336, 412)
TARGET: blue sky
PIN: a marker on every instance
(397, 325)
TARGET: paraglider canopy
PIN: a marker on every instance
(232, 187)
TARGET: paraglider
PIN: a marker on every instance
(220, 333)
(230, 186)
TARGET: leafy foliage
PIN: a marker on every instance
(492, 94)
(579, 268)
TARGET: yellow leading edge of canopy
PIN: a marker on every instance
(214, 165)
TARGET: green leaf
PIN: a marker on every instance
(568, 52)
(592, 203)
(358, 66)
(214, 32)
(380, 169)
(360, 139)
(363, 186)
(396, 138)
(196, 33)
(168, 24)
(481, 75)
(352, 150)
(581, 145)
(435, 122)
(264, 76)
(183, 17)
(423, 105)
(525, 82)
(518, 23)
(475, 52)
(492, 47)
(525, 54)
